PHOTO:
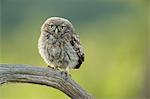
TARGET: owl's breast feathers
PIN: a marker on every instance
(79, 51)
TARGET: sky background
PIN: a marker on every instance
(113, 34)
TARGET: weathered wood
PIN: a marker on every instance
(19, 73)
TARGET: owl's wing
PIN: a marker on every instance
(75, 42)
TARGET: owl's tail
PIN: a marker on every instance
(80, 61)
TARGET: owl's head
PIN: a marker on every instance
(57, 25)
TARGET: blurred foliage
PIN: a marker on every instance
(113, 33)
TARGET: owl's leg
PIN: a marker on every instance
(65, 73)
(68, 71)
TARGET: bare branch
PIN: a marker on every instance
(19, 73)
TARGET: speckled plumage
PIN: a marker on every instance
(58, 44)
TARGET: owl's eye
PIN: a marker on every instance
(51, 26)
(61, 27)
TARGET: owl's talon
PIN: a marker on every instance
(64, 75)
(52, 67)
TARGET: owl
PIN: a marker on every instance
(59, 45)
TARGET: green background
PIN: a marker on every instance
(113, 34)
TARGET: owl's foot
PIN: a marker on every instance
(65, 75)
(54, 68)
(50, 67)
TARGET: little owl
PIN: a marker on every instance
(59, 45)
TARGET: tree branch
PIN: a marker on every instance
(19, 73)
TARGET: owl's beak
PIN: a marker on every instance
(56, 30)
